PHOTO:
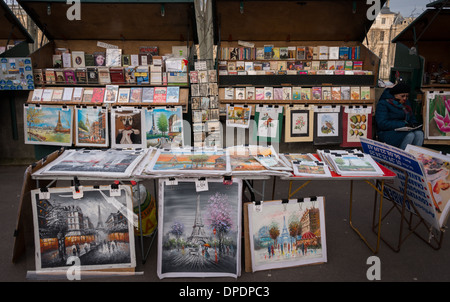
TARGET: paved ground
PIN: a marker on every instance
(348, 257)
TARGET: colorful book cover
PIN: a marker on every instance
(335, 93)
(316, 93)
(98, 95)
(147, 94)
(306, 94)
(124, 95)
(296, 93)
(135, 95)
(160, 95)
(173, 94)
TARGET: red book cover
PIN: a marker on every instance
(117, 75)
(160, 95)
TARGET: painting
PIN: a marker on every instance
(269, 120)
(127, 128)
(284, 234)
(164, 127)
(94, 230)
(190, 161)
(238, 116)
(96, 163)
(327, 125)
(199, 232)
(48, 125)
(91, 127)
(299, 123)
(356, 123)
(437, 117)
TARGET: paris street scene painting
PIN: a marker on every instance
(199, 232)
(95, 229)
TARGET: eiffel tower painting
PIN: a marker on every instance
(198, 235)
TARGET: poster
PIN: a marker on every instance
(127, 127)
(92, 127)
(437, 117)
(164, 127)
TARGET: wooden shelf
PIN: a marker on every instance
(300, 102)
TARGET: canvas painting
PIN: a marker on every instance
(98, 163)
(164, 127)
(238, 116)
(285, 234)
(186, 160)
(48, 125)
(127, 128)
(299, 123)
(96, 229)
(199, 232)
(437, 118)
(269, 120)
(91, 127)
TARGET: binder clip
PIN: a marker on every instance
(114, 190)
(227, 180)
(77, 192)
(258, 206)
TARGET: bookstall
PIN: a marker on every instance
(135, 56)
(16, 79)
(422, 61)
(298, 55)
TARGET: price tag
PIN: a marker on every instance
(44, 195)
(201, 185)
(172, 182)
(114, 191)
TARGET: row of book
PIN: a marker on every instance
(289, 67)
(139, 75)
(298, 93)
(109, 94)
(270, 52)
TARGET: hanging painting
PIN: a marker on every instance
(199, 231)
(269, 120)
(48, 125)
(299, 123)
(93, 228)
(285, 233)
(437, 118)
(238, 115)
(91, 126)
(356, 123)
(127, 128)
(327, 125)
(164, 127)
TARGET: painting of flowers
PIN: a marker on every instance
(199, 231)
(438, 119)
(299, 123)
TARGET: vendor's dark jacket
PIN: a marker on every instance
(389, 115)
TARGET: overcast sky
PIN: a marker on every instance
(408, 7)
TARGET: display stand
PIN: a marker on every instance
(367, 179)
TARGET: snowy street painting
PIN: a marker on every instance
(285, 235)
(199, 232)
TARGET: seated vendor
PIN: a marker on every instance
(394, 111)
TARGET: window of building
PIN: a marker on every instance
(381, 36)
(383, 20)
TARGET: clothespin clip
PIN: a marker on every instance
(258, 206)
(227, 180)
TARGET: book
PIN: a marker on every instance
(81, 75)
(141, 75)
(104, 77)
(67, 94)
(66, 60)
(345, 92)
(134, 59)
(57, 95)
(78, 59)
(268, 93)
(160, 95)
(239, 93)
(147, 94)
(92, 75)
(37, 95)
(77, 94)
(335, 93)
(69, 75)
(323, 52)
(259, 93)
(326, 93)
(173, 94)
(135, 95)
(316, 93)
(99, 58)
(156, 75)
(250, 93)
(287, 93)
(59, 76)
(98, 95)
(126, 60)
(301, 53)
(355, 93)
(57, 61)
(343, 53)
(117, 75)
(87, 95)
(268, 52)
(229, 93)
(296, 93)
(50, 77)
(111, 92)
(124, 95)
(113, 57)
(129, 74)
(333, 53)
(407, 128)
(348, 65)
(38, 76)
(306, 93)
(365, 93)
(89, 60)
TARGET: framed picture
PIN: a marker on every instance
(127, 128)
(199, 231)
(282, 234)
(437, 116)
(164, 127)
(94, 229)
(327, 125)
(48, 125)
(91, 126)
(299, 123)
(356, 123)
(269, 121)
